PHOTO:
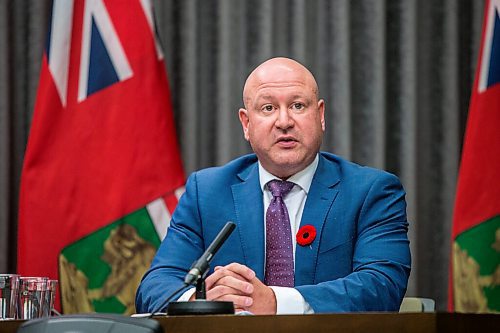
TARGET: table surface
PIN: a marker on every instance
(351, 322)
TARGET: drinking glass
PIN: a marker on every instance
(50, 296)
(9, 286)
(31, 301)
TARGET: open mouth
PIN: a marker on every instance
(286, 141)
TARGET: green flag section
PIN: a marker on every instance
(101, 272)
(476, 269)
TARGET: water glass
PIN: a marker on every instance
(50, 296)
(9, 286)
(32, 297)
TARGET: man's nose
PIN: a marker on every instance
(285, 119)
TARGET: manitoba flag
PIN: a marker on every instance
(475, 274)
(102, 171)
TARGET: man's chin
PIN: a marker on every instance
(285, 168)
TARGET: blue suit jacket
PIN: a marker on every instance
(359, 261)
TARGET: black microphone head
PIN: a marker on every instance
(201, 266)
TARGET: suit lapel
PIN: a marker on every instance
(321, 195)
(250, 224)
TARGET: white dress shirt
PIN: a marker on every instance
(288, 300)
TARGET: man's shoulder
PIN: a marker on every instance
(230, 171)
(351, 169)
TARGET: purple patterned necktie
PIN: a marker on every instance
(279, 251)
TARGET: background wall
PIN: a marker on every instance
(396, 76)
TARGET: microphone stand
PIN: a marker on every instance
(200, 306)
(201, 290)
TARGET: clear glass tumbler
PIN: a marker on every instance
(50, 296)
(9, 287)
(31, 300)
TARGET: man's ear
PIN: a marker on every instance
(243, 114)
(321, 108)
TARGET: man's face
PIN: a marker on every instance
(283, 120)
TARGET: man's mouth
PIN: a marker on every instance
(286, 141)
(286, 138)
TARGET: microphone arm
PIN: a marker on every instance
(201, 266)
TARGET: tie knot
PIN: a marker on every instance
(279, 188)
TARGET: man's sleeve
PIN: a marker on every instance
(290, 301)
(182, 245)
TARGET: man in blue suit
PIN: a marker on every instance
(342, 242)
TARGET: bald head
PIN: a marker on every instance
(283, 118)
(276, 72)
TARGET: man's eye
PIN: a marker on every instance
(267, 108)
(298, 106)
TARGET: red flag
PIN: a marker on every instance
(102, 143)
(474, 285)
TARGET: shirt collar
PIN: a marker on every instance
(302, 178)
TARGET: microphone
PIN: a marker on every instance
(197, 271)
(200, 266)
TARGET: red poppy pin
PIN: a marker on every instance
(306, 235)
